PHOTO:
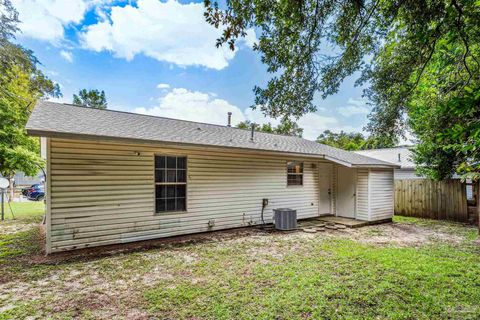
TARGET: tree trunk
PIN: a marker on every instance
(12, 188)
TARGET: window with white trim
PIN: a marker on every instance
(170, 183)
(294, 173)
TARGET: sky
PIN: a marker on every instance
(159, 58)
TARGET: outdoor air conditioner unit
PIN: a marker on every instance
(285, 219)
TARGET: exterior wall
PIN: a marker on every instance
(381, 195)
(362, 203)
(103, 193)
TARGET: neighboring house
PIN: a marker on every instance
(22, 180)
(401, 156)
(116, 177)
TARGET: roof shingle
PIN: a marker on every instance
(57, 119)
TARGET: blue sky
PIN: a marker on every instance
(159, 58)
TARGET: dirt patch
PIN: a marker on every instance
(401, 235)
(12, 227)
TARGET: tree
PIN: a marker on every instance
(445, 117)
(353, 141)
(91, 98)
(310, 46)
(416, 58)
(286, 127)
(21, 85)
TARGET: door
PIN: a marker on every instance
(324, 188)
(346, 178)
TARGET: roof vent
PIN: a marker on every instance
(198, 128)
(229, 124)
(252, 132)
(399, 158)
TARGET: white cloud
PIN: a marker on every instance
(167, 31)
(180, 103)
(163, 86)
(354, 107)
(184, 104)
(46, 19)
(67, 55)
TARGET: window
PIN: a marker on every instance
(294, 173)
(170, 183)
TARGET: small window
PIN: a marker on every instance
(294, 173)
(170, 183)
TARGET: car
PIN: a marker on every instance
(26, 190)
(36, 193)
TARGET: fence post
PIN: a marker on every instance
(478, 205)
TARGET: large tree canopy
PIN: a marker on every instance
(310, 46)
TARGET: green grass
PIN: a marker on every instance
(338, 279)
(333, 275)
(25, 211)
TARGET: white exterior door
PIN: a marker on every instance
(346, 178)
(324, 188)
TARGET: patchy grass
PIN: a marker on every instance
(367, 273)
(20, 236)
(469, 232)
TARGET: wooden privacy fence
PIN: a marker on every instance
(443, 200)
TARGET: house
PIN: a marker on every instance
(116, 177)
(22, 180)
(401, 156)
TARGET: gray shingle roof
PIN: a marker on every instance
(51, 119)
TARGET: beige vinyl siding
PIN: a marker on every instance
(381, 194)
(362, 211)
(103, 193)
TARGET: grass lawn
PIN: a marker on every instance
(411, 269)
(30, 211)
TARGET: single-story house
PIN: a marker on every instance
(116, 177)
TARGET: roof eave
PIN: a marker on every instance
(381, 166)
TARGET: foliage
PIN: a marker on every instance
(18, 151)
(21, 85)
(353, 141)
(286, 127)
(91, 98)
(312, 45)
(444, 114)
(449, 135)
(404, 51)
